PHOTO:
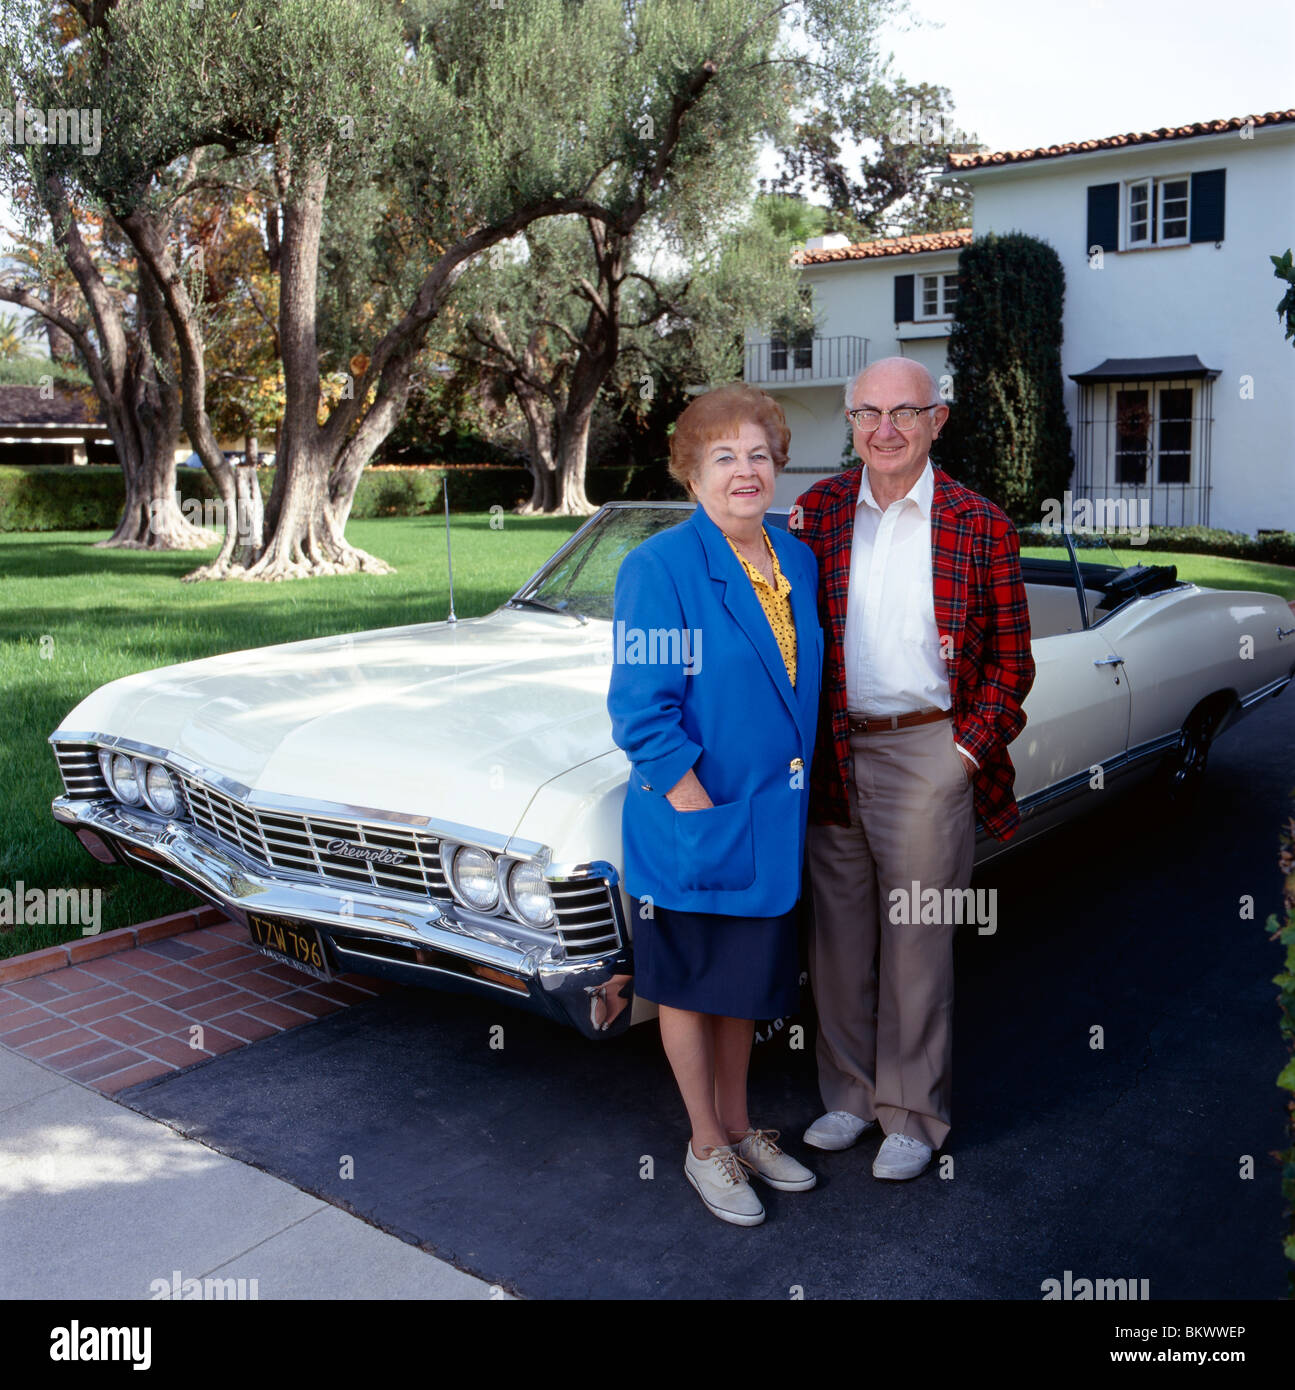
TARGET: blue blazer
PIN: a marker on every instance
(698, 682)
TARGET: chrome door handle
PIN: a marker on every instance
(1110, 661)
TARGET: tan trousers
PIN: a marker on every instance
(883, 978)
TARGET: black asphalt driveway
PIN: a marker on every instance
(553, 1166)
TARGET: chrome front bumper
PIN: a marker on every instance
(393, 936)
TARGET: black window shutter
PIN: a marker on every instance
(904, 298)
(1103, 216)
(1207, 205)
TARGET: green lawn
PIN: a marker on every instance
(108, 613)
(1219, 571)
(112, 612)
(1213, 571)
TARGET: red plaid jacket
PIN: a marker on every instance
(979, 604)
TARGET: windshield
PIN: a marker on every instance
(582, 578)
(1094, 549)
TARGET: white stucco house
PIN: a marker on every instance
(1179, 383)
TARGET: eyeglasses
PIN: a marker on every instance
(905, 418)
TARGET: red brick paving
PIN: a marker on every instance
(115, 1021)
(264, 985)
(225, 1003)
(37, 990)
(58, 1043)
(79, 1056)
(23, 1018)
(112, 968)
(83, 1000)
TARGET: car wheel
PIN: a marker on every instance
(1183, 772)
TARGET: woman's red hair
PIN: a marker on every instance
(720, 413)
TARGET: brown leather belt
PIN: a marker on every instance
(875, 722)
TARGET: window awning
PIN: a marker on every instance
(1146, 369)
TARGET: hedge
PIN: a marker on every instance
(1273, 547)
(1008, 438)
(86, 498)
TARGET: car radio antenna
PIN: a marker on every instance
(449, 558)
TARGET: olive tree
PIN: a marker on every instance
(454, 127)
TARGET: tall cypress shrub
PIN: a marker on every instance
(1007, 435)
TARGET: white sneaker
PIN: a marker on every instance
(901, 1156)
(838, 1129)
(723, 1186)
(777, 1168)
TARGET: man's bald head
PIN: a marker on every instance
(916, 379)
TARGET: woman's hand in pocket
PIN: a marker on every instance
(688, 794)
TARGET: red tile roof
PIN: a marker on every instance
(1115, 142)
(888, 246)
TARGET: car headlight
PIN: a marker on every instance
(473, 877)
(529, 893)
(123, 779)
(160, 790)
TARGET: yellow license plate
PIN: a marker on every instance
(297, 944)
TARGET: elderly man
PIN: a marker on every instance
(927, 663)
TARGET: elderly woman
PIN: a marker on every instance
(714, 699)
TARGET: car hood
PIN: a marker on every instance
(459, 722)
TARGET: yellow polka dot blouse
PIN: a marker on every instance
(775, 602)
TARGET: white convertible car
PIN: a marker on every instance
(440, 803)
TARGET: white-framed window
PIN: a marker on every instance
(1158, 211)
(936, 296)
(1153, 434)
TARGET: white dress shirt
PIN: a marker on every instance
(892, 647)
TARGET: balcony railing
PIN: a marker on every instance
(782, 361)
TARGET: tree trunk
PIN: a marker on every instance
(542, 464)
(148, 429)
(558, 418)
(153, 253)
(152, 518)
(558, 471)
(572, 456)
(61, 348)
(141, 408)
(304, 522)
(307, 536)
(251, 508)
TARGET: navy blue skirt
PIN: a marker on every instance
(737, 967)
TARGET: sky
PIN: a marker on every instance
(1023, 73)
